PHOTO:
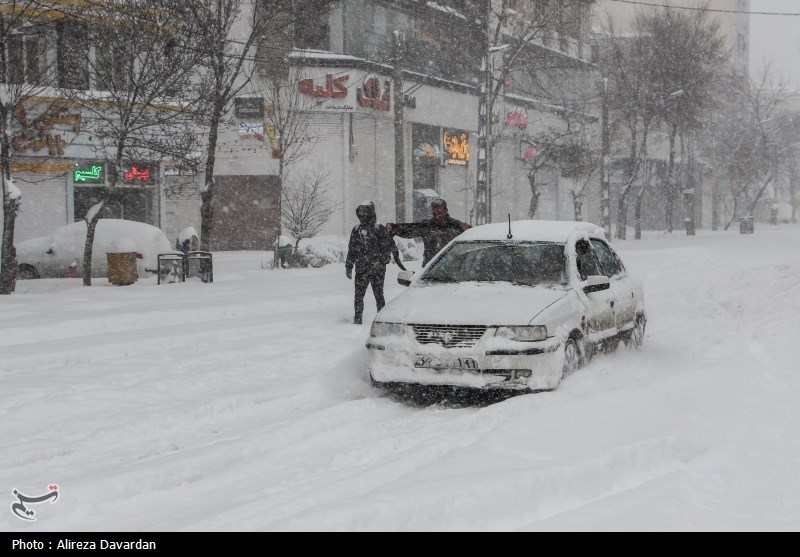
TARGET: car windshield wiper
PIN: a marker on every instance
(435, 278)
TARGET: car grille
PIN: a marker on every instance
(449, 336)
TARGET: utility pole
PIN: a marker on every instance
(688, 193)
(399, 136)
(605, 187)
(484, 185)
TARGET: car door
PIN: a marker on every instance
(600, 311)
(621, 285)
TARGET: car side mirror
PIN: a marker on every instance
(404, 277)
(595, 283)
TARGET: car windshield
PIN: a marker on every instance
(539, 263)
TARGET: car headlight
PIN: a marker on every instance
(380, 329)
(523, 333)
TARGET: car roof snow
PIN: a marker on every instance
(533, 231)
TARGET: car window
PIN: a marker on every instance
(608, 259)
(517, 262)
(586, 260)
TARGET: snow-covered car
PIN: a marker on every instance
(52, 256)
(513, 306)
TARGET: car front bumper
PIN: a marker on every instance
(510, 366)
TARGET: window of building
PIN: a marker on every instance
(112, 65)
(130, 203)
(380, 20)
(574, 14)
(595, 56)
(311, 27)
(25, 59)
(72, 55)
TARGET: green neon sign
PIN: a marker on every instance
(88, 176)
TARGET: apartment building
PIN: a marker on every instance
(734, 25)
(731, 15)
(55, 60)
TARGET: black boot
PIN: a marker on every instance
(356, 321)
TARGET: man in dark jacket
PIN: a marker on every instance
(369, 251)
(436, 232)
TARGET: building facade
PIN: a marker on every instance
(341, 68)
(343, 65)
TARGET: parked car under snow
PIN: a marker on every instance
(508, 306)
(51, 256)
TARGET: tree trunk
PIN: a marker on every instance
(8, 265)
(207, 195)
(715, 199)
(577, 206)
(735, 212)
(638, 224)
(534, 204)
(277, 231)
(91, 226)
(622, 204)
(206, 216)
(669, 186)
(752, 208)
(622, 216)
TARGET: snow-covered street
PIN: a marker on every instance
(245, 405)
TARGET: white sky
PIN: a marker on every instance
(245, 405)
(776, 38)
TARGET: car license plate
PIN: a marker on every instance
(433, 362)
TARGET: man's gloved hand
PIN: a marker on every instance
(349, 273)
(465, 226)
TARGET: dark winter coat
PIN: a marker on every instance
(370, 245)
(434, 235)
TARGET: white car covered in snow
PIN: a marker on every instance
(513, 306)
(52, 256)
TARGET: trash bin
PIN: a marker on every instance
(199, 265)
(122, 268)
(187, 240)
(689, 226)
(171, 267)
(284, 254)
(746, 225)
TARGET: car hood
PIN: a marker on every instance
(498, 303)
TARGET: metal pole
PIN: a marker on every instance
(484, 183)
(605, 199)
(399, 137)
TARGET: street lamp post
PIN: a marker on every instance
(605, 199)
(399, 136)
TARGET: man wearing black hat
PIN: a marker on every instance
(436, 232)
(369, 251)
